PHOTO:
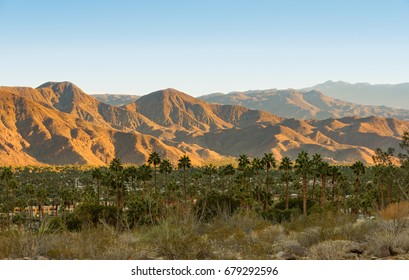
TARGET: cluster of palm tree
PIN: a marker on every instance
(259, 184)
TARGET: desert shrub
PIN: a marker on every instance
(95, 213)
(52, 225)
(73, 222)
(19, 243)
(319, 227)
(241, 236)
(100, 243)
(281, 215)
(215, 204)
(395, 217)
(401, 240)
(177, 240)
(392, 227)
(143, 211)
(329, 250)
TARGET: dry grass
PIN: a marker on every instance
(395, 211)
(329, 250)
(241, 236)
(91, 243)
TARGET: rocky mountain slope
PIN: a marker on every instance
(57, 123)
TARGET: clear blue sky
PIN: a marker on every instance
(200, 47)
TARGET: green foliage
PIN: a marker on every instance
(143, 211)
(215, 204)
(95, 213)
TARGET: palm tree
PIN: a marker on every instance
(334, 173)
(144, 174)
(117, 171)
(243, 161)
(378, 172)
(41, 195)
(343, 184)
(228, 170)
(97, 175)
(210, 170)
(28, 190)
(316, 160)
(184, 163)
(358, 168)
(132, 174)
(286, 165)
(383, 159)
(268, 161)
(154, 159)
(166, 168)
(323, 170)
(255, 166)
(303, 167)
(6, 177)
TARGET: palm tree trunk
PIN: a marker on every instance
(323, 190)
(356, 210)
(333, 192)
(184, 182)
(287, 195)
(304, 190)
(154, 178)
(313, 188)
(267, 191)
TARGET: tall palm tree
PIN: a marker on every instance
(343, 185)
(116, 169)
(303, 167)
(154, 159)
(29, 191)
(7, 179)
(334, 172)
(358, 168)
(286, 166)
(97, 175)
(228, 170)
(41, 195)
(144, 174)
(165, 167)
(323, 170)
(378, 172)
(209, 170)
(383, 159)
(243, 161)
(184, 163)
(268, 161)
(132, 174)
(316, 160)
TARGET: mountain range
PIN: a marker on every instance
(396, 96)
(57, 123)
(303, 104)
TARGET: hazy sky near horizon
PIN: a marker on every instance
(200, 47)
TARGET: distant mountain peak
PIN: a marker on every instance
(64, 84)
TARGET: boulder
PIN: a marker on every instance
(285, 256)
(356, 248)
(382, 251)
(297, 250)
(397, 251)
